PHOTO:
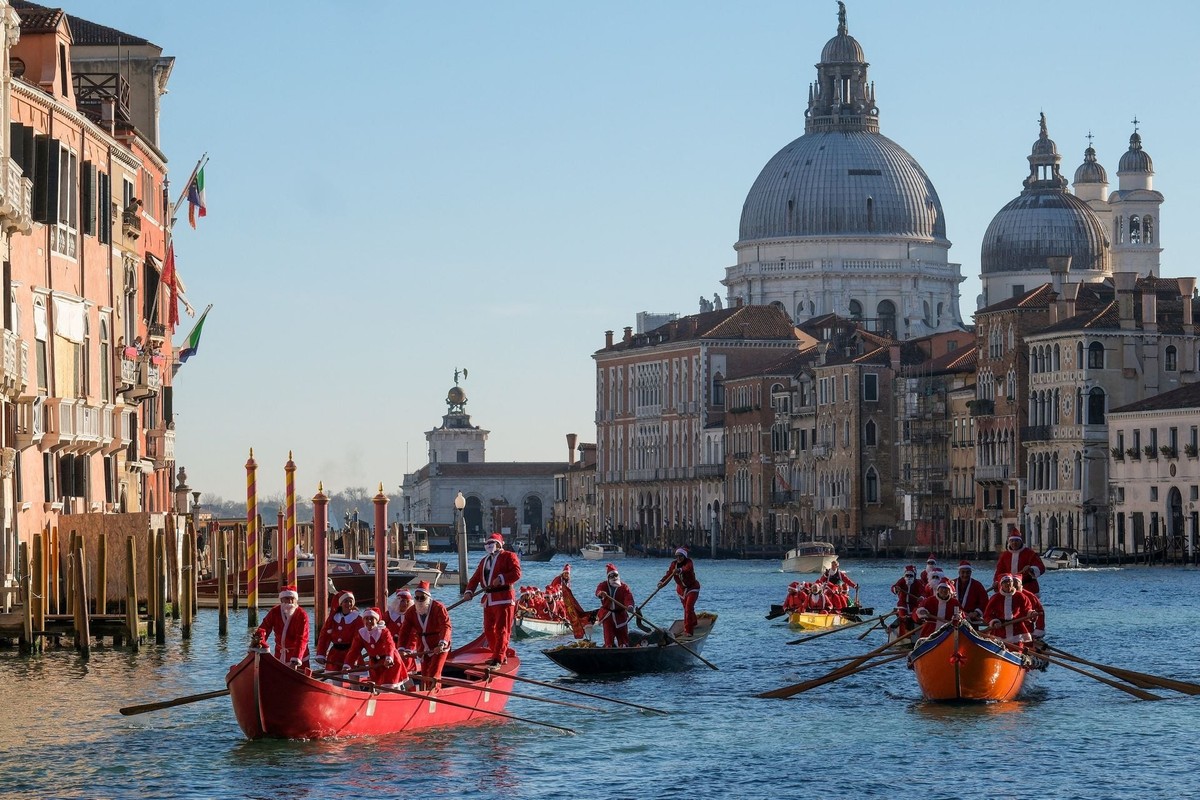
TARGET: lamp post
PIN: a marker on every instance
(1025, 524)
(460, 521)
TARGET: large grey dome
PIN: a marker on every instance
(1039, 224)
(841, 183)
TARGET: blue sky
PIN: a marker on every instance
(399, 189)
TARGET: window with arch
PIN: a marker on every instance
(885, 312)
(83, 356)
(1148, 229)
(871, 433)
(871, 486)
(1095, 356)
(1135, 229)
(40, 348)
(856, 310)
(718, 390)
(1095, 406)
(1171, 359)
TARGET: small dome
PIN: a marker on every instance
(1135, 159)
(841, 49)
(1039, 224)
(1090, 171)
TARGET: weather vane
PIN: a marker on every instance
(457, 370)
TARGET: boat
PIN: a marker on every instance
(957, 663)
(529, 626)
(537, 549)
(272, 700)
(1061, 558)
(817, 620)
(421, 570)
(651, 652)
(852, 613)
(601, 551)
(810, 557)
(345, 574)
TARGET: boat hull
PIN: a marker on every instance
(809, 557)
(362, 586)
(815, 621)
(272, 700)
(958, 664)
(585, 659)
(527, 627)
(602, 552)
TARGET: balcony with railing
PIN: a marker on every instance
(739, 509)
(16, 200)
(982, 408)
(1036, 433)
(82, 427)
(991, 473)
(30, 421)
(140, 378)
(120, 426)
(13, 378)
(160, 447)
(710, 470)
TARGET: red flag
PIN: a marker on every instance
(168, 277)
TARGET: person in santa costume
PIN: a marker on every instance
(560, 580)
(400, 601)
(971, 593)
(572, 611)
(792, 601)
(938, 609)
(616, 604)
(426, 630)
(927, 575)
(1037, 626)
(834, 575)
(289, 623)
(373, 647)
(909, 593)
(337, 634)
(495, 575)
(1007, 613)
(686, 586)
(1020, 560)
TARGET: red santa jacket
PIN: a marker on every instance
(937, 610)
(622, 597)
(338, 631)
(425, 633)
(908, 595)
(1003, 608)
(291, 633)
(372, 649)
(496, 574)
(972, 595)
(684, 575)
(837, 577)
(1024, 562)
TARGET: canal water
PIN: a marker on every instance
(870, 735)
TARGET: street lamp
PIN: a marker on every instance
(460, 503)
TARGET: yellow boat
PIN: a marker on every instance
(816, 620)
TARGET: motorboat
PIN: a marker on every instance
(344, 574)
(809, 557)
(1061, 558)
(602, 551)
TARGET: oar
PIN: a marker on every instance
(840, 672)
(457, 682)
(638, 611)
(459, 602)
(1128, 689)
(841, 660)
(836, 675)
(671, 638)
(1142, 679)
(803, 639)
(776, 612)
(574, 691)
(452, 704)
(878, 623)
(129, 711)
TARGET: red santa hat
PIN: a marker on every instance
(403, 592)
(681, 551)
(964, 565)
(567, 568)
(372, 612)
(497, 538)
(423, 586)
(343, 596)
(945, 584)
(931, 559)
(1013, 533)
(910, 570)
(1008, 576)
(610, 570)
(289, 592)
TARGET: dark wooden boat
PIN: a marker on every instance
(957, 663)
(346, 574)
(647, 652)
(539, 555)
(272, 700)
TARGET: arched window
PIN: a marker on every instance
(1135, 229)
(871, 486)
(856, 311)
(1095, 358)
(885, 312)
(1171, 359)
(718, 390)
(870, 434)
(105, 362)
(1148, 230)
(83, 358)
(1095, 409)
(41, 335)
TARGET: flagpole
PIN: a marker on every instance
(183, 195)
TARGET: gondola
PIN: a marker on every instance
(272, 700)
(957, 663)
(651, 652)
(529, 626)
(345, 574)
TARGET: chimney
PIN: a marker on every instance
(737, 302)
(1124, 282)
(572, 440)
(822, 348)
(1052, 307)
(1149, 309)
(1059, 266)
(1070, 296)
(894, 356)
(608, 340)
(1186, 287)
(628, 337)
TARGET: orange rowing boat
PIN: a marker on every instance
(957, 663)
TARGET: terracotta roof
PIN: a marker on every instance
(760, 323)
(1183, 397)
(35, 18)
(83, 32)
(1035, 298)
(960, 360)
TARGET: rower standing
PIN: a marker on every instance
(909, 592)
(835, 576)
(686, 586)
(1020, 560)
(496, 575)
(616, 604)
(426, 629)
(972, 595)
(289, 623)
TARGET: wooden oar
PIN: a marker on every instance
(638, 610)
(878, 623)
(573, 691)
(804, 639)
(459, 602)
(1141, 679)
(475, 684)
(836, 675)
(776, 612)
(1127, 689)
(840, 672)
(671, 638)
(841, 660)
(129, 711)
(436, 699)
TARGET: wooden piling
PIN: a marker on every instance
(38, 593)
(83, 633)
(131, 601)
(102, 574)
(233, 541)
(151, 582)
(26, 643)
(222, 581)
(52, 573)
(69, 575)
(171, 545)
(160, 588)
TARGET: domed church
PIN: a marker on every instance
(843, 220)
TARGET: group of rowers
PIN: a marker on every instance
(1014, 613)
(829, 593)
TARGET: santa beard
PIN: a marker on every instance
(423, 608)
(614, 582)
(287, 609)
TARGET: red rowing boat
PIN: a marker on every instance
(957, 663)
(272, 700)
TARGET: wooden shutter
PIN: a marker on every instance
(103, 209)
(47, 153)
(87, 199)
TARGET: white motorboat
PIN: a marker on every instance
(601, 551)
(1061, 558)
(809, 557)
